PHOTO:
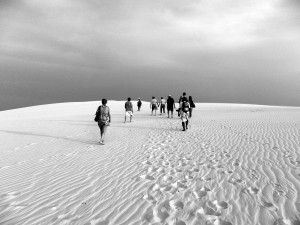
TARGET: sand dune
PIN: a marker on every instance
(236, 164)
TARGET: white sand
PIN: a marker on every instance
(237, 164)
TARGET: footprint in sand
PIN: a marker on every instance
(200, 193)
(176, 205)
(149, 198)
(221, 204)
(218, 221)
(252, 190)
(155, 216)
(236, 181)
(147, 177)
(209, 209)
(206, 178)
(269, 205)
(227, 172)
(179, 185)
(167, 178)
(253, 174)
(236, 163)
(278, 192)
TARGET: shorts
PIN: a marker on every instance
(154, 107)
(128, 113)
(103, 123)
(170, 109)
(184, 116)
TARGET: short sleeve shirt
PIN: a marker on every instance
(128, 106)
(153, 101)
(163, 101)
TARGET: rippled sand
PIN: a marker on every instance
(236, 164)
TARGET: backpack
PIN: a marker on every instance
(97, 114)
(185, 107)
(192, 104)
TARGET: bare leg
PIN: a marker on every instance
(191, 109)
(102, 132)
(183, 126)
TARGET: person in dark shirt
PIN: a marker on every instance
(139, 104)
(128, 109)
(170, 106)
(192, 105)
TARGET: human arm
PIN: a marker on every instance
(109, 115)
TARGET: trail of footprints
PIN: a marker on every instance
(182, 182)
(179, 190)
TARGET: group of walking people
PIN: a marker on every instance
(184, 110)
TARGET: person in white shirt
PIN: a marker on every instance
(162, 105)
(153, 105)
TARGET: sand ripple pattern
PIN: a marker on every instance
(235, 165)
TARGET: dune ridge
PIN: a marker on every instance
(236, 164)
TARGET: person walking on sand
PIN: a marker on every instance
(103, 113)
(170, 106)
(139, 104)
(180, 102)
(162, 105)
(184, 113)
(128, 109)
(192, 106)
(153, 105)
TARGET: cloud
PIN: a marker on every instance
(151, 30)
(218, 39)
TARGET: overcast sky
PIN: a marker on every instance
(82, 50)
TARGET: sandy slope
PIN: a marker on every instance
(237, 164)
